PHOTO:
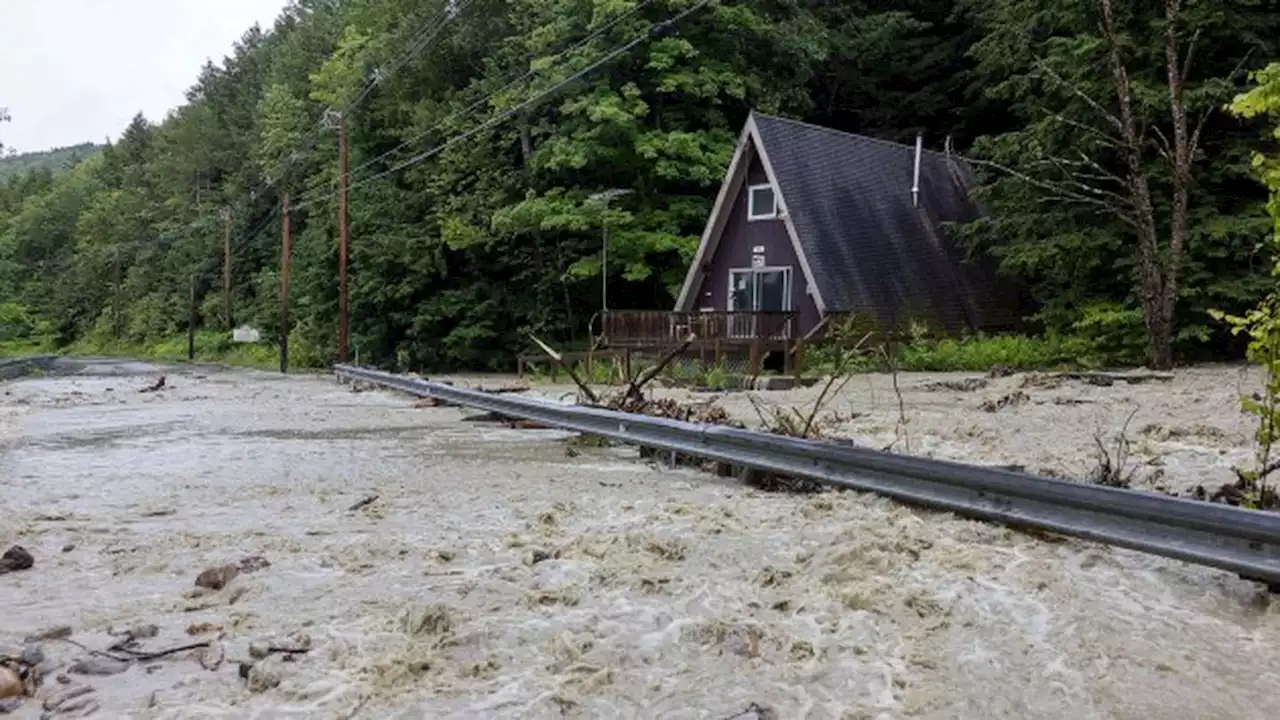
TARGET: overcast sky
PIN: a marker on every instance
(73, 71)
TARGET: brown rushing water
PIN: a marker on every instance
(665, 594)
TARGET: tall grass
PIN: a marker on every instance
(983, 352)
(211, 346)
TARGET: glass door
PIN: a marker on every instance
(773, 295)
(741, 302)
(758, 290)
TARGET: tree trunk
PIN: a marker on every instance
(1154, 287)
(1182, 151)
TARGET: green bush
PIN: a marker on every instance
(983, 352)
(1104, 334)
(1114, 334)
(211, 346)
(15, 322)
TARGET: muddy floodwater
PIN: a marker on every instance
(487, 572)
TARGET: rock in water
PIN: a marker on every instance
(15, 558)
(32, 655)
(253, 563)
(98, 666)
(216, 578)
(10, 684)
(755, 712)
(57, 632)
(263, 676)
(59, 700)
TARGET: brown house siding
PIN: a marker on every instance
(735, 250)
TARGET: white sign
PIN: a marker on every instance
(246, 334)
(758, 249)
(757, 261)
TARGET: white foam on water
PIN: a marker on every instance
(495, 576)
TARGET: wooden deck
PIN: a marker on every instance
(718, 334)
(661, 328)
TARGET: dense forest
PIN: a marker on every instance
(1122, 188)
(55, 161)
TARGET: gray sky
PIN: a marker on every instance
(73, 71)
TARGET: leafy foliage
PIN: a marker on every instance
(55, 161)
(1261, 325)
(474, 203)
(1057, 185)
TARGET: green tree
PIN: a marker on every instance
(1107, 177)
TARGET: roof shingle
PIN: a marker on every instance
(873, 252)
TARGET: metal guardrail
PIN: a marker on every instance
(11, 368)
(1246, 542)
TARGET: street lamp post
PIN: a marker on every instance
(604, 198)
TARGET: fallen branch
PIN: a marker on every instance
(1104, 379)
(636, 386)
(560, 361)
(839, 371)
(899, 428)
(362, 503)
(131, 654)
(504, 390)
(145, 655)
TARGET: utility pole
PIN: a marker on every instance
(342, 237)
(286, 250)
(115, 293)
(338, 118)
(191, 319)
(226, 270)
(603, 199)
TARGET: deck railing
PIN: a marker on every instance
(658, 328)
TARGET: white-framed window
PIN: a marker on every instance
(762, 202)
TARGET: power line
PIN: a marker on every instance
(419, 42)
(595, 34)
(608, 57)
(245, 240)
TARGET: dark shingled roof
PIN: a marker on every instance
(871, 251)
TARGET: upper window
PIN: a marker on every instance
(762, 204)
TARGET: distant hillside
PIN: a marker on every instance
(57, 159)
